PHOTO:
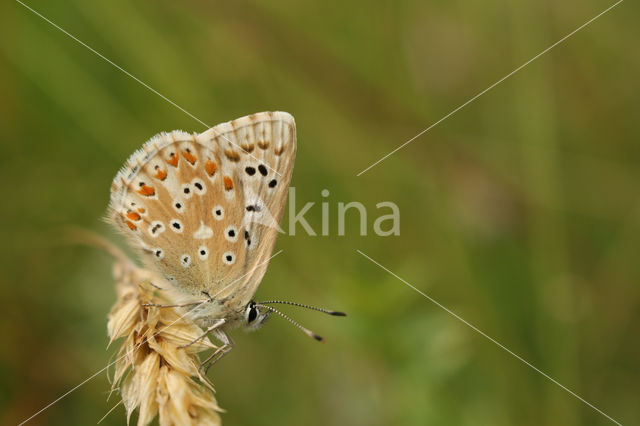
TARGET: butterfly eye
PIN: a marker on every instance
(191, 249)
(253, 314)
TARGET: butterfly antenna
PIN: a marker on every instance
(300, 305)
(305, 330)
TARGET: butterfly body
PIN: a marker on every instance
(204, 210)
(206, 311)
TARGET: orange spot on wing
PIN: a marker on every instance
(161, 174)
(210, 167)
(133, 216)
(189, 157)
(131, 225)
(141, 210)
(146, 190)
(228, 183)
(173, 160)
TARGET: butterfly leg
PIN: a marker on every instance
(227, 345)
(215, 325)
(179, 305)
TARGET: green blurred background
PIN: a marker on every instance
(521, 212)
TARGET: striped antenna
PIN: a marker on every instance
(300, 305)
(305, 330)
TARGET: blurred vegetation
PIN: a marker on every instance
(521, 212)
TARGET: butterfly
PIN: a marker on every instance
(204, 211)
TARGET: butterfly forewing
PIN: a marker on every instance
(205, 209)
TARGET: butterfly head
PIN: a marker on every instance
(255, 316)
(257, 313)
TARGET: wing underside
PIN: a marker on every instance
(205, 208)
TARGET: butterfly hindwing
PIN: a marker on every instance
(205, 209)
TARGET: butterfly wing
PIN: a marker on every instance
(205, 209)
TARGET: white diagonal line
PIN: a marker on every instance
(137, 79)
(250, 272)
(105, 368)
(114, 64)
(490, 87)
(139, 344)
(482, 333)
